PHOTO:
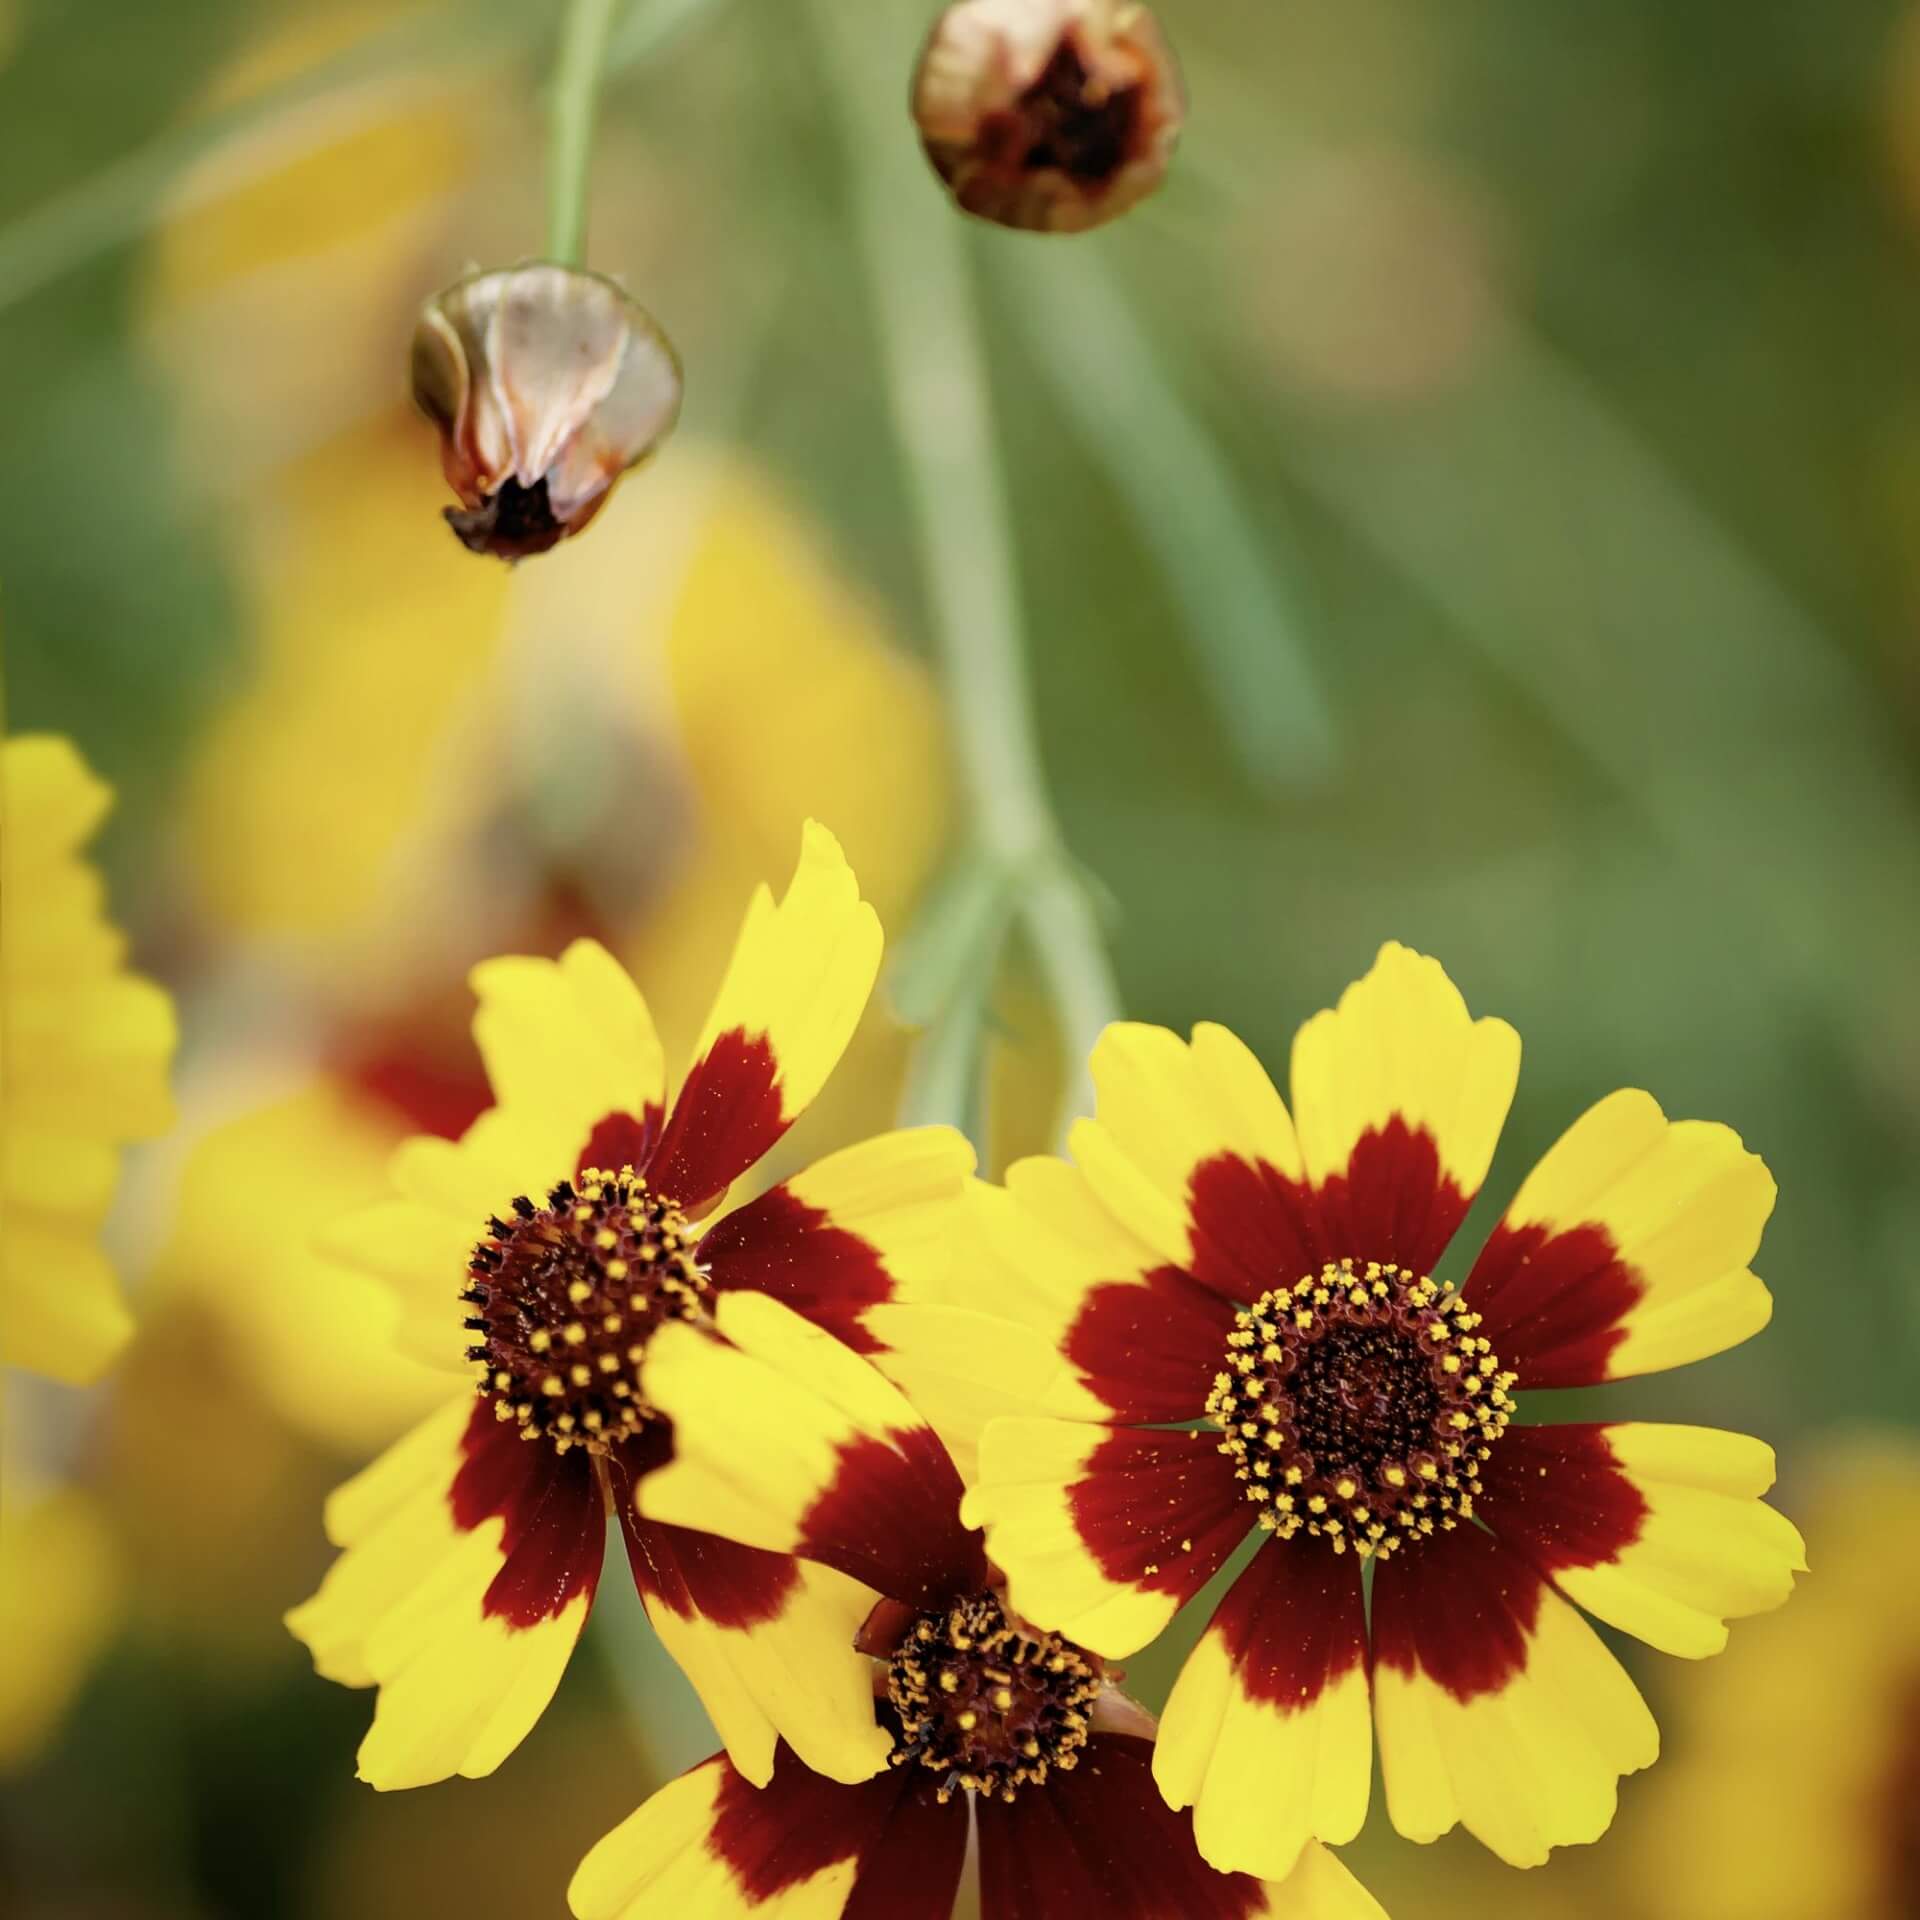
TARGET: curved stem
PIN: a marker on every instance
(938, 389)
(576, 99)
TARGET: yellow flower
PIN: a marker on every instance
(573, 1219)
(59, 1598)
(789, 1442)
(281, 282)
(84, 1048)
(1794, 1788)
(1239, 1296)
(317, 1344)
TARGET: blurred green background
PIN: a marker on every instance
(1473, 503)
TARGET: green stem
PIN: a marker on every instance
(576, 100)
(938, 389)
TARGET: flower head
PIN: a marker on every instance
(789, 1441)
(1055, 115)
(547, 384)
(537, 1258)
(85, 1070)
(1242, 1295)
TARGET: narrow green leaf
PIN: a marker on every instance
(1235, 581)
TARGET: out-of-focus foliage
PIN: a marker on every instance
(1472, 503)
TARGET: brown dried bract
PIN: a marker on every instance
(546, 384)
(1049, 115)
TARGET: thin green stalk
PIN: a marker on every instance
(576, 101)
(937, 380)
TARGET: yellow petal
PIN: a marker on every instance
(59, 1597)
(1320, 1888)
(1401, 1044)
(787, 1006)
(1659, 1530)
(318, 1341)
(1103, 1535)
(567, 1043)
(65, 1315)
(871, 1224)
(1044, 1253)
(792, 1674)
(87, 1046)
(787, 1440)
(1267, 1734)
(414, 1604)
(1626, 1249)
(1166, 1107)
(961, 1371)
(662, 1860)
(1496, 1705)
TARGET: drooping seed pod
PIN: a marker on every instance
(547, 384)
(1049, 115)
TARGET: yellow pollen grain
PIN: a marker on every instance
(581, 1374)
(574, 1334)
(579, 1292)
(606, 1239)
(539, 1340)
(616, 1269)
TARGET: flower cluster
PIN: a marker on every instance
(905, 1462)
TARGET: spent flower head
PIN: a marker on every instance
(547, 384)
(1051, 115)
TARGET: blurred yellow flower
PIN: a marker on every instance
(284, 276)
(387, 655)
(375, 636)
(84, 1067)
(59, 1600)
(316, 1338)
(1792, 1791)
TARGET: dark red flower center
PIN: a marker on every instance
(562, 1298)
(1359, 1404)
(1068, 120)
(986, 1705)
(514, 522)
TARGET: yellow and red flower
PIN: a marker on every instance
(566, 1226)
(790, 1442)
(1242, 1299)
(84, 1071)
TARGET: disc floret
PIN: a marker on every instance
(985, 1704)
(561, 1300)
(1358, 1404)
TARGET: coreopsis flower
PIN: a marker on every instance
(1244, 1302)
(539, 1254)
(1054, 115)
(787, 1440)
(1794, 1791)
(547, 383)
(87, 1045)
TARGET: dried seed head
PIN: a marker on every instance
(1052, 115)
(546, 384)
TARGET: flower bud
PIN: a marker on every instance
(1053, 115)
(547, 384)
